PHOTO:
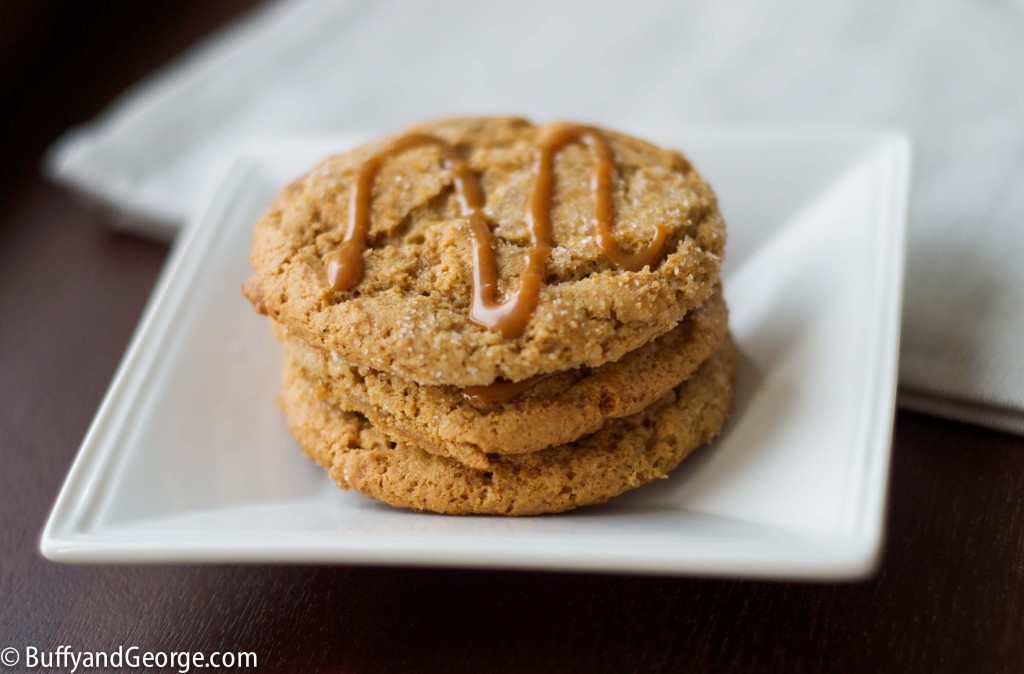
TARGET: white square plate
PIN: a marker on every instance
(189, 459)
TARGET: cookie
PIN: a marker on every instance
(624, 454)
(465, 251)
(452, 421)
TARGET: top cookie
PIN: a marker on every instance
(442, 201)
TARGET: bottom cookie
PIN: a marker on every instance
(624, 454)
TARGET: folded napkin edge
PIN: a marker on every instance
(1004, 419)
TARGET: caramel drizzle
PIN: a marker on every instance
(501, 391)
(539, 214)
(509, 317)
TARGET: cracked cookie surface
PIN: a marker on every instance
(409, 314)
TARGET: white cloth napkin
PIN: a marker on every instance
(949, 72)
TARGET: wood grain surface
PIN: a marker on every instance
(949, 596)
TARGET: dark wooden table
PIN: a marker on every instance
(949, 596)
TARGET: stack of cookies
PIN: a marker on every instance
(485, 316)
